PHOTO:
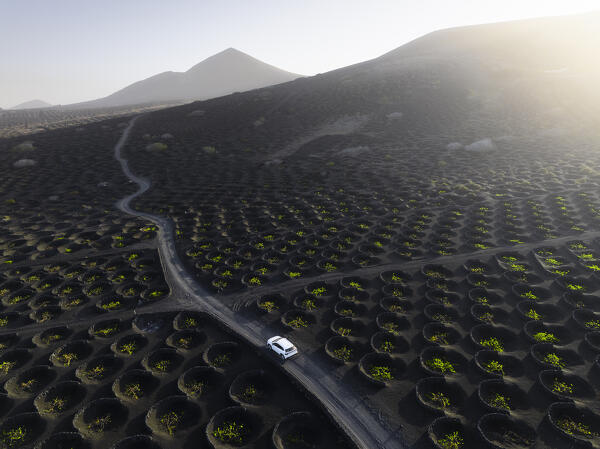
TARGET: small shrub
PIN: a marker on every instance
(382, 373)
(492, 343)
(534, 315)
(545, 337)
(170, 421)
(133, 390)
(161, 365)
(14, 436)
(67, 358)
(344, 331)
(196, 388)
(451, 441)
(6, 366)
(231, 432)
(593, 324)
(572, 427)
(494, 366)
(222, 360)
(439, 399)
(56, 405)
(561, 387)
(309, 304)
(553, 359)
(269, 306)
(440, 365)
(298, 322)
(344, 353)
(440, 338)
(391, 327)
(500, 401)
(387, 346)
(99, 424)
(128, 348)
(529, 295)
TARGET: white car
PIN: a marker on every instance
(282, 347)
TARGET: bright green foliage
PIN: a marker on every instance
(554, 359)
(593, 324)
(343, 353)
(170, 421)
(6, 366)
(500, 401)
(269, 306)
(440, 365)
(440, 338)
(162, 365)
(492, 343)
(128, 348)
(56, 405)
(529, 295)
(440, 400)
(344, 331)
(382, 373)
(231, 432)
(133, 390)
(298, 322)
(386, 346)
(494, 366)
(14, 436)
(319, 291)
(309, 304)
(451, 441)
(572, 427)
(545, 337)
(562, 387)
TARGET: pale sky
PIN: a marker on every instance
(66, 51)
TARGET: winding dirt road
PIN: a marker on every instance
(363, 426)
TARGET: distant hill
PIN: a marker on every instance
(33, 104)
(530, 77)
(221, 74)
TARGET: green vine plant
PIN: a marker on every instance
(440, 365)
(99, 424)
(231, 432)
(562, 388)
(14, 437)
(545, 337)
(576, 428)
(343, 353)
(492, 343)
(500, 401)
(383, 373)
(170, 421)
(440, 400)
(451, 441)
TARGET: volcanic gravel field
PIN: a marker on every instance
(95, 351)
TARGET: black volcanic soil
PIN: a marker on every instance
(455, 289)
(388, 256)
(93, 349)
(140, 386)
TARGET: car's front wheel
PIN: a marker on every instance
(282, 356)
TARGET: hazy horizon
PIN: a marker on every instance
(65, 52)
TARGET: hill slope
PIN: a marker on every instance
(460, 84)
(221, 74)
(33, 104)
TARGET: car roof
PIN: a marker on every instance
(285, 343)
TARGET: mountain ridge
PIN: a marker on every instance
(221, 74)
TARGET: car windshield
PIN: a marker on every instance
(289, 349)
